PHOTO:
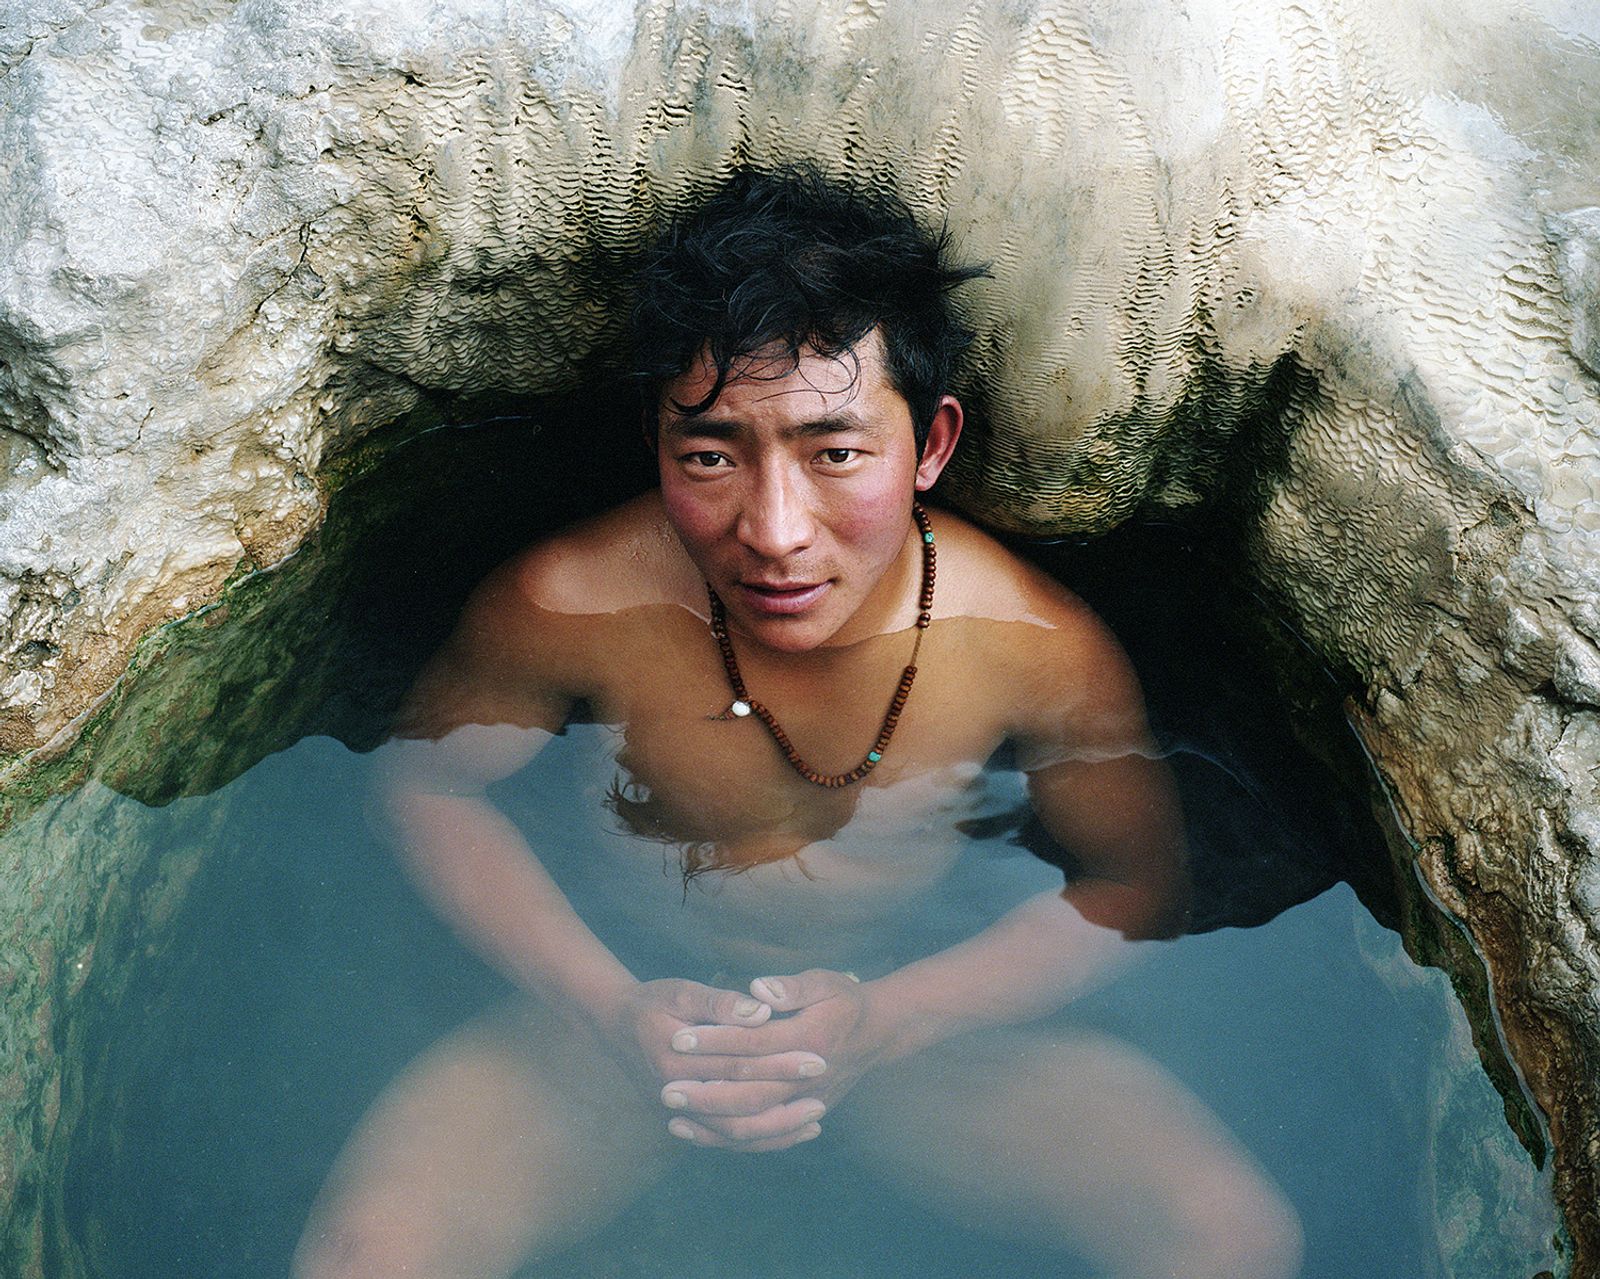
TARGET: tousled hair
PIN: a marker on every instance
(789, 258)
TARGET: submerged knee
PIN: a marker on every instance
(1239, 1228)
(371, 1247)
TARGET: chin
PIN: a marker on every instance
(788, 634)
(795, 633)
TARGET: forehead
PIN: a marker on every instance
(772, 384)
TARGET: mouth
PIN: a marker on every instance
(782, 599)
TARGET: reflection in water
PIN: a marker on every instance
(1064, 1135)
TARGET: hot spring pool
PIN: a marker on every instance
(300, 972)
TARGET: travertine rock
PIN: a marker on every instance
(1577, 238)
(1307, 262)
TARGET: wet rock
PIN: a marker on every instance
(1577, 237)
(1302, 267)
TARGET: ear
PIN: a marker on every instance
(942, 436)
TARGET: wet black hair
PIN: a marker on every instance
(790, 257)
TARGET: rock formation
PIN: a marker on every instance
(1303, 267)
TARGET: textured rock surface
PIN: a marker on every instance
(1306, 261)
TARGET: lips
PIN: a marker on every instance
(782, 599)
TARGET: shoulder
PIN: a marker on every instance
(1058, 671)
(983, 580)
(628, 557)
(532, 638)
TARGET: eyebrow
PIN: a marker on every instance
(727, 429)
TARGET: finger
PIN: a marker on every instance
(688, 1130)
(775, 1067)
(694, 1002)
(775, 1121)
(801, 990)
(719, 1097)
(739, 1041)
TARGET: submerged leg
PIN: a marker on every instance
(1081, 1141)
(511, 1137)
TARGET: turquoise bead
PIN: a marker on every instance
(928, 537)
(874, 756)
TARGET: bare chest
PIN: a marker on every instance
(689, 772)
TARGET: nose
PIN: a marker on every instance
(776, 519)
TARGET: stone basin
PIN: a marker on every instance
(1306, 274)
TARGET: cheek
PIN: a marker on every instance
(692, 513)
(874, 521)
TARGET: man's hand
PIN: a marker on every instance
(655, 1015)
(721, 1083)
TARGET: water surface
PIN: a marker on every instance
(305, 974)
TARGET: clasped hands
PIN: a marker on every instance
(753, 1072)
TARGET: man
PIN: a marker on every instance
(807, 673)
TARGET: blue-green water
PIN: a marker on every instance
(305, 974)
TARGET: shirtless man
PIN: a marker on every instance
(796, 343)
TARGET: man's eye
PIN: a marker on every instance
(706, 458)
(838, 456)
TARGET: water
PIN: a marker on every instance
(301, 973)
(306, 974)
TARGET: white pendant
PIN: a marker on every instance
(741, 709)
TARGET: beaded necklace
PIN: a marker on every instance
(744, 704)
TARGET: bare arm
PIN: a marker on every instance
(1039, 956)
(478, 872)
(1119, 818)
(1096, 785)
(483, 708)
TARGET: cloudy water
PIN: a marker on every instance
(305, 975)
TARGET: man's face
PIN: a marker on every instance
(792, 493)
